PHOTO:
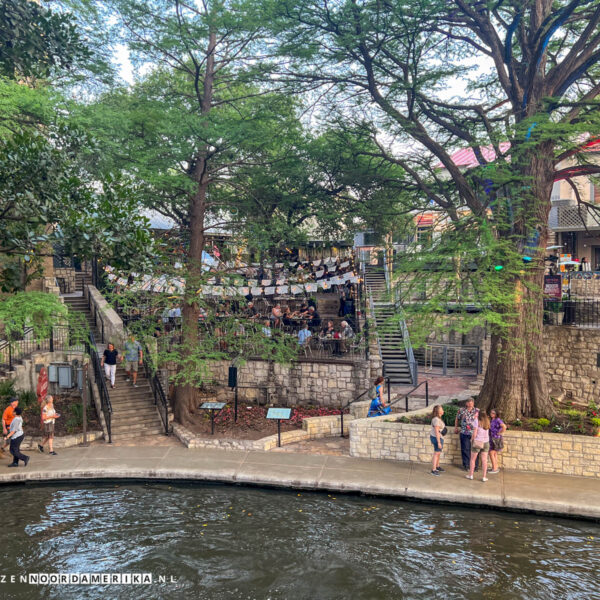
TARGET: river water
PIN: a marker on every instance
(221, 542)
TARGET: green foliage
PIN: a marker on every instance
(450, 412)
(517, 423)
(573, 414)
(403, 420)
(75, 419)
(535, 426)
(7, 390)
(35, 41)
(27, 399)
(32, 309)
(595, 421)
(543, 422)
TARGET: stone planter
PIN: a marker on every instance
(386, 438)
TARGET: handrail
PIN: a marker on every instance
(426, 383)
(410, 357)
(105, 404)
(160, 398)
(343, 408)
(374, 318)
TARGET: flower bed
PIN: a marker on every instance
(569, 417)
(252, 423)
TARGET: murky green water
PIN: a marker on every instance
(220, 542)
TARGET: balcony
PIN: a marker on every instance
(565, 215)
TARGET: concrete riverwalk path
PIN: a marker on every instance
(544, 493)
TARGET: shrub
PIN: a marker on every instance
(404, 420)
(573, 414)
(75, 419)
(596, 421)
(449, 416)
(517, 423)
(543, 422)
(27, 399)
(7, 389)
(557, 429)
(536, 426)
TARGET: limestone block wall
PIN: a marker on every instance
(301, 383)
(570, 357)
(67, 274)
(384, 438)
(113, 325)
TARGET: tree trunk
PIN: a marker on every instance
(515, 379)
(184, 405)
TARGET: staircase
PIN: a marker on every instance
(134, 413)
(375, 281)
(393, 353)
(81, 280)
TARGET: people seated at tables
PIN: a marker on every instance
(303, 310)
(267, 328)
(314, 317)
(287, 316)
(304, 335)
(251, 312)
(276, 315)
(328, 330)
(347, 333)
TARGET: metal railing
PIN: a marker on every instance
(160, 398)
(410, 357)
(345, 407)
(575, 312)
(442, 359)
(105, 404)
(13, 351)
(406, 396)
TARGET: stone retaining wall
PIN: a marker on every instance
(65, 441)
(570, 355)
(67, 274)
(299, 384)
(385, 438)
(312, 428)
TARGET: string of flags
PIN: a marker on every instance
(267, 287)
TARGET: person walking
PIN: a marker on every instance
(49, 416)
(7, 416)
(16, 435)
(109, 362)
(133, 358)
(435, 436)
(465, 422)
(497, 429)
(378, 406)
(480, 444)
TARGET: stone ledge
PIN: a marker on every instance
(65, 441)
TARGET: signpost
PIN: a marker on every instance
(213, 407)
(553, 287)
(280, 414)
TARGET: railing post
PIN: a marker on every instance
(341, 422)
(389, 392)
(426, 392)
(51, 338)
(405, 403)
(445, 361)
(9, 355)
(102, 321)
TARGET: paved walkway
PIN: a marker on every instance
(556, 494)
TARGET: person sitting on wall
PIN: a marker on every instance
(378, 406)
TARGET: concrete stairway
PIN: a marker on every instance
(134, 413)
(393, 354)
(375, 281)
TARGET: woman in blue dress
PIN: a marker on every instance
(378, 406)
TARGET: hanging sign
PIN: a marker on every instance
(553, 286)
